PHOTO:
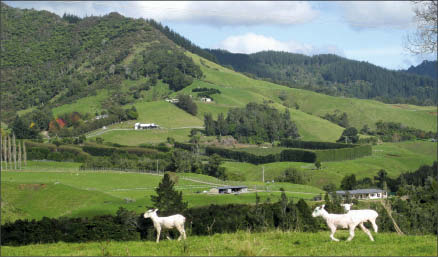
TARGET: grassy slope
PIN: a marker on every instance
(359, 111)
(95, 193)
(395, 158)
(89, 104)
(243, 243)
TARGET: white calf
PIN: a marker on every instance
(175, 221)
(350, 220)
(366, 215)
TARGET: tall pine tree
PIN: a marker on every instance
(168, 201)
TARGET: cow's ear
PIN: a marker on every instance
(323, 206)
(155, 210)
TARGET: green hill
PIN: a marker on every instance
(335, 75)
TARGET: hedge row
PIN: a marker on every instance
(185, 146)
(102, 150)
(344, 153)
(292, 143)
(46, 230)
(127, 225)
(37, 151)
(293, 155)
(242, 156)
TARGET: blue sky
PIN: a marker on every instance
(366, 31)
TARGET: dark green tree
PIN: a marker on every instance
(349, 182)
(168, 200)
(186, 103)
(349, 135)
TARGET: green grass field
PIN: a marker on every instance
(55, 189)
(89, 104)
(245, 243)
(395, 158)
(360, 112)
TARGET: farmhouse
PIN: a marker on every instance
(139, 125)
(364, 194)
(172, 100)
(205, 99)
(98, 117)
(229, 190)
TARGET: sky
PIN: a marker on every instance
(372, 31)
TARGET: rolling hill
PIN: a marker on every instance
(335, 75)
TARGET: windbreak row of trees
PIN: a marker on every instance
(256, 123)
(395, 132)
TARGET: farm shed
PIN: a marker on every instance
(229, 190)
(364, 193)
(145, 126)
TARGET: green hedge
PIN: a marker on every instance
(39, 151)
(292, 143)
(102, 150)
(344, 154)
(296, 155)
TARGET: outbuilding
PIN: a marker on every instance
(139, 125)
(229, 190)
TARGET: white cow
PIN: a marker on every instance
(349, 220)
(175, 221)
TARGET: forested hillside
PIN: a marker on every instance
(49, 60)
(426, 68)
(333, 75)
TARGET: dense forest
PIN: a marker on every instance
(426, 68)
(49, 60)
(333, 75)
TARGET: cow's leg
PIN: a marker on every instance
(373, 222)
(366, 231)
(158, 234)
(333, 230)
(352, 228)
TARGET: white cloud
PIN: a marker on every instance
(252, 43)
(378, 14)
(218, 13)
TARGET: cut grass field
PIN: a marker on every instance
(395, 158)
(245, 243)
(60, 189)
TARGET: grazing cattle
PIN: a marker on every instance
(349, 220)
(175, 221)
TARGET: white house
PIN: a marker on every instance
(172, 100)
(139, 125)
(98, 117)
(205, 99)
(364, 194)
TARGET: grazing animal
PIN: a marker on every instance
(349, 220)
(367, 215)
(175, 221)
(347, 206)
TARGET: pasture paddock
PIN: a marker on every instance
(244, 243)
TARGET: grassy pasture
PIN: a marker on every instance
(137, 137)
(55, 189)
(89, 104)
(395, 158)
(245, 243)
(360, 111)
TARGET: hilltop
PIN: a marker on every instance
(94, 64)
